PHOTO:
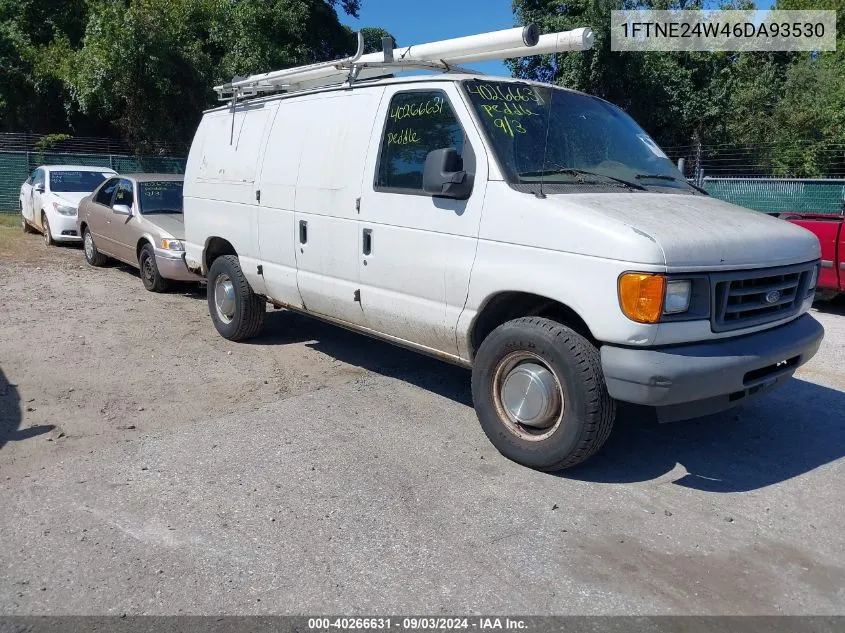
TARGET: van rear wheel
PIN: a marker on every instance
(540, 395)
(237, 312)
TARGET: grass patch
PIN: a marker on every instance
(14, 245)
(10, 219)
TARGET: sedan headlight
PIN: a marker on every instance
(172, 245)
(678, 294)
(64, 209)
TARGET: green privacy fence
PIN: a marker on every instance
(16, 166)
(779, 195)
(769, 195)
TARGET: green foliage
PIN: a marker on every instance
(790, 105)
(48, 141)
(145, 68)
(373, 37)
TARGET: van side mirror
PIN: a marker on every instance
(443, 175)
(122, 209)
(39, 188)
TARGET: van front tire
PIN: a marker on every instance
(540, 395)
(237, 312)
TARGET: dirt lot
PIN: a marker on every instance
(150, 466)
(92, 352)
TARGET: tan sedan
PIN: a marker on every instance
(137, 219)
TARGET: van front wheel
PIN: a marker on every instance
(236, 310)
(540, 395)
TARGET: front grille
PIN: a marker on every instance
(754, 297)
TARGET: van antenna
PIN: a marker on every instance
(234, 107)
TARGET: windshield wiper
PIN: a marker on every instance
(656, 177)
(673, 179)
(583, 172)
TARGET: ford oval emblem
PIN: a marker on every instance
(773, 296)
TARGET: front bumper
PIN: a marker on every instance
(172, 266)
(63, 228)
(688, 381)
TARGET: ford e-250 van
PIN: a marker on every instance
(534, 234)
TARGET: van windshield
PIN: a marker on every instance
(565, 139)
(160, 196)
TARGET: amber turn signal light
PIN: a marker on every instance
(641, 296)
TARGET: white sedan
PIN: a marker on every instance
(50, 196)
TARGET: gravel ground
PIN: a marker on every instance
(150, 466)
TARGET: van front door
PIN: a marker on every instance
(416, 251)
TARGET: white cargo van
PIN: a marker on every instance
(535, 234)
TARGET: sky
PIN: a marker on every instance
(432, 20)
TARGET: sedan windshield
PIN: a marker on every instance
(160, 196)
(563, 139)
(77, 181)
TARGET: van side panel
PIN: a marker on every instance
(337, 128)
(220, 184)
(276, 224)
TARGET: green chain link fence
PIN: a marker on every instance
(768, 195)
(15, 167)
(781, 195)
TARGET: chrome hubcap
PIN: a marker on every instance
(224, 298)
(89, 245)
(528, 395)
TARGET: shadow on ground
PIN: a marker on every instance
(189, 289)
(11, 415)
(833, 306)
(782, 435)
(282, 327)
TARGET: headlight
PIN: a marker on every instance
(678, 295)
(64, 209)
(172, 245)
(641, 296)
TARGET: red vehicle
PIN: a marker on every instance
(828, 228)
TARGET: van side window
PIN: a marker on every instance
(104, 195)
(418, 122)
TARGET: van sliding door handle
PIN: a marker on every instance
(368, 241)
(303, 232)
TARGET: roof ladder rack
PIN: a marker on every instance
(444, 56)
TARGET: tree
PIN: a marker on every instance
(145, 68)
(26, 96)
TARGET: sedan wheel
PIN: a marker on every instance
(45, 224)
(92, 255)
